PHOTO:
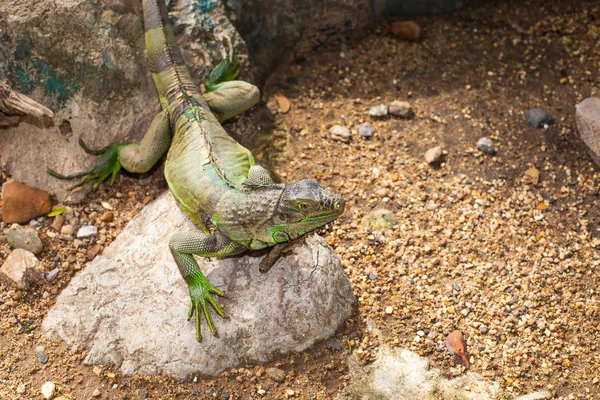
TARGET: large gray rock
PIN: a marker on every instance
(588, 124)
(129, 306)
(85, 60)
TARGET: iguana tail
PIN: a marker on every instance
(169, 72)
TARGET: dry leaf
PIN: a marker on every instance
(283, 102)
(531, 177)
(458, 348)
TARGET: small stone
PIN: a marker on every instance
(401, 109)
(366, 130)
(408, 30)
(96, 393)
(588, 124)
(379, 111)
(142, 394)
(335, 345)
(538, 117)
(486, 145)
(457, 347)
(42, 358)
(51, 275)
(106, 205)
(107, 216)
(277, 374)
(22, 269)
(22, 203)
(372, 276)
(35, 223)
(340, 133)
(93, 252)
(21, 388)
(290, 392)
(379, 219)
(58, 223)
(225, 395)
(389, 310)
(433, 155)
(483, 328)
(87, 231)
(48, 389)
(25, 237)
(67, 230)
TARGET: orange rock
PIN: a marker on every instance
(458, 348)
(22, 203)
(408, 30)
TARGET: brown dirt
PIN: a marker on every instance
(473, 245)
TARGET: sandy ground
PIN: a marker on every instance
(477, 246)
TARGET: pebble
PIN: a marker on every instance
(379, 111)
(96, 393)
(277, 374)
(107, 216)
(22, 203)
(93, 252)
(106, 205)
(87, 231)
(483, 328)
(51, 275)
(379, 219)
(433, 155)
(290, 392)
(22, 268)
(67, 230)
(401, 109)
(48, 389)
(538, 117)
(408, 30)
(486, 145)
(389, 310)
(340, 133)
(335, 345)
(372, 276)
(366, 130)
(21, 388)
(35, 223)
(58, 223)
(42, 358)
(25, 237)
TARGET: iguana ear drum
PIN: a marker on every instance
(280, 237)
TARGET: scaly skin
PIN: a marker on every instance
(234, 202)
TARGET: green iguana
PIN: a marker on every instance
(234, 202)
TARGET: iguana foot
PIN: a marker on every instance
(227, 70)
(200, 298)
(108, 165)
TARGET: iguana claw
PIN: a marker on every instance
(200, 298)
(227, 70)
(108, 165)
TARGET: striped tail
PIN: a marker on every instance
(169, 72)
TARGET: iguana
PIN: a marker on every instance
(234, 202)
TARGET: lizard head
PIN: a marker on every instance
(303, 207)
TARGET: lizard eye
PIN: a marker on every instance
(303, 206)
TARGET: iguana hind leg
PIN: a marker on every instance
(183, 247)
(231, 99)
(131, 156)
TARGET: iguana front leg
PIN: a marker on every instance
(183, 247)
(131, 156)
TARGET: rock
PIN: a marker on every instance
(433, 155)
(277, 374)
(67, 230)
(340, 133)
(538, 117)
(22, 203)
(366, 130)
(25, 237)
(379, 111)
(401, 109)
(372, 276)
(486, 145)
(531, 176)
(87, 231)
(51, 275)
(48, 389)
(408, 30)
(107, 216)
(42, 358)
(58, 223)
(22, 269)
(483, 328)
(587, 116)
(457, 347)
(304, 298)
(389, 310)
(96, 393)
(379, 219)
(93, 252)
(400, 374)
(21, 388)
